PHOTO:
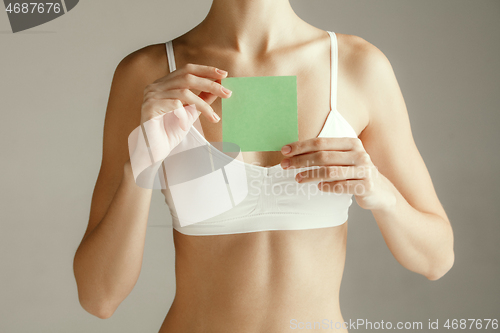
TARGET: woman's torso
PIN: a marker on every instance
(258, 282)
(263, 281)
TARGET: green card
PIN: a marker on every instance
(261, 114)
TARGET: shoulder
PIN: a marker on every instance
(358, 47)
(365, 62)
(144, 65)
(369, 71)
(132, 74)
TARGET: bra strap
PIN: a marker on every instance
(334, 69)
(170, 55)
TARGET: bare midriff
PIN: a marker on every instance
(259, 282)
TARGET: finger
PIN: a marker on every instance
(356, 187)
(320, 158)
(194, 77)
(318, 144)
(202, 84)
(158, 107)
(187, 116)
(152, 107)
(186, 96)
(208, 97)
(331, 173)
(205, 71)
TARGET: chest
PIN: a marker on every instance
(313, 70)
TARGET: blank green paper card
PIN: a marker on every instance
(261, 114)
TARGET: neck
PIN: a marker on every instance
(251, 27)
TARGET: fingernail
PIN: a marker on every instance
(286, 149)
(220, 71)
(298, 177)
(227, 91)
(216, 117)
(285, 163)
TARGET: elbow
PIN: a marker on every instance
(94, 301)
(103, 313)
(440, 269)
(100, 308)
(443, 260)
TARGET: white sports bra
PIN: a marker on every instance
(275, 201)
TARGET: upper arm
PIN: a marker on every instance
(123, 114)
(388, 137)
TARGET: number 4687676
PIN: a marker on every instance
(478, 324)
(33, 7)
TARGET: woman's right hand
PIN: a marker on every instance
(169, 109)
(172, 91)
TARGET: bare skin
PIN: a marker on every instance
(258, 282)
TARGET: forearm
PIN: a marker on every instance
(421, 242)
(108, 262)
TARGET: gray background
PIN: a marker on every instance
(55, 82)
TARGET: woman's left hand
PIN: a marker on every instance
(345, 167)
